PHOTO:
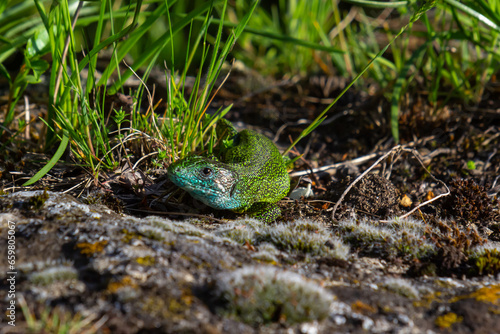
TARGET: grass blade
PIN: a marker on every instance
(52, 162)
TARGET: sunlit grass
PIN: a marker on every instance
(448, 53)
(76, 115)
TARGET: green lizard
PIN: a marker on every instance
(249, 176)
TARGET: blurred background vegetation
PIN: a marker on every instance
(79, 52)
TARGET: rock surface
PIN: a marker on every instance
(113, 273)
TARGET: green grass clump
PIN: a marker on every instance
(50, 319)
(454, 49)
(260, 295)
(77, 116)
(451, 52)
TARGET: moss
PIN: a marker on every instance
(426, 268)
(89, 249)
(257, 295)
(486, 261)
(302, 237)
(396, 238)
(266, 253)
(185, 228)
(447, 320)
(36, 202)
(453, 243)
(154, 233)
(468, 202)
(107, 199)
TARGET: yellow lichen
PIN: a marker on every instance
(428, 299)
(146, 260)
(489, 294)
(89, 249)
(128, 236)
(113, 287)
(360, 307)
(168, 308)
(447, 320)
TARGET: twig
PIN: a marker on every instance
(144, 157)
(356, 161)
(397, 150)
(416, 155)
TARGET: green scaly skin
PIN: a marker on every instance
(249, 177)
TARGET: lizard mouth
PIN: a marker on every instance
(214, 195)
(198, 188)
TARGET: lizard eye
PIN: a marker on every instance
(206, 172)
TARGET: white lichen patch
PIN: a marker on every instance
(400, 286)
(28, 267)
(57, 204)
(207, 253)
(265, 294)
(53, 274)
(24, 195)
(407, 224)
(134, 252)
(5, 218)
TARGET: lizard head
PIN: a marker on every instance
(209, 181)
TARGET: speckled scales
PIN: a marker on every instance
(260, 166)
(253, 172)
